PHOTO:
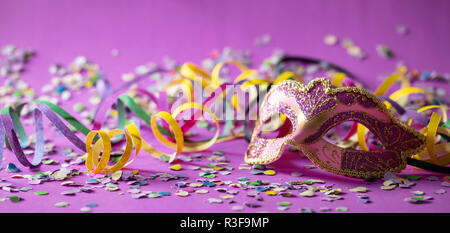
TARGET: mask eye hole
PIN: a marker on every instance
(276, 126)
(344, 135)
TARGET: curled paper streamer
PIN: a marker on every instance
(174, 138)
(9, 121)
(173, 132)
(93, 165)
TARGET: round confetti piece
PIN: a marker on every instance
(61, 204)
(92, 181)
(11, 167)
(324, 209)
(256, 172)
(208, 184)
(418, 192)
(269, 172)
(388, 187)
(218, 183)
(330, 40)
(15, 198)
(307, 193)
(307, 182)
(195, 185)
(214, 200)
(86, 209)
(226, 196)
(182, 193)
(237, 208)
(296, 174)
(116, 175)
(359, 189)
(153, 195)
(189, 190)
(414, 177)
(41, 193)
(306, 211)
(202, 191)
(283, 208)
(284, 203)
(252, 205)
(25, 189)
(342, 208)
(175, 167)
(271, 193)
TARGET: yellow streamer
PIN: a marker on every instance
(92, 164)
(337, 80)
(431, 133)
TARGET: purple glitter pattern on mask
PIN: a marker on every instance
(350, 98)
(369, 161)
(312, 102)
(290, 114)
(391, 135)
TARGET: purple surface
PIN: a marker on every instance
(187, 31)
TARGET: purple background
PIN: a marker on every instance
(145, 31)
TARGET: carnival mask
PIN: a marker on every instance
(316, 108)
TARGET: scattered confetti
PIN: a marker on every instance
(68, 79)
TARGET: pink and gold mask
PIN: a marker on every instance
(314, 109)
